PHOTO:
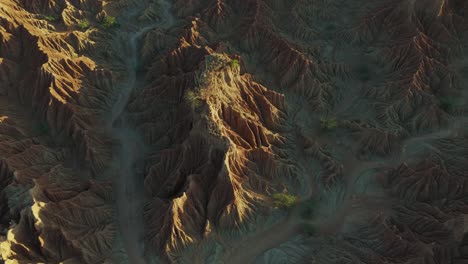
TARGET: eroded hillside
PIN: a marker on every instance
(227, 131)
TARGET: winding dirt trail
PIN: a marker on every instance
(129, 185)
(250, 247)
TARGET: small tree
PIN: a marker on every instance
(328, 123)
(363, 73)
(308, 209)
(84, 24)
(235, 63)
(109, 21)
(193, 98)
(42, 128)
(284, 200)
(449, 103)
(309, 229)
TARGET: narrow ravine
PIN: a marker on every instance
(128, 161)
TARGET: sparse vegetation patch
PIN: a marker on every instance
(328, 123)
(109, 21)
(449, 103)
(193, 98)
(52, 18)
(84, 24)
(308, 228)
(284, 200)
(42, 128)
(363, 73)
(308, 209)
(235, 63)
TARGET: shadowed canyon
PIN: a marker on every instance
(234, 131)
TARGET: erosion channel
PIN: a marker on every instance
(128, 161)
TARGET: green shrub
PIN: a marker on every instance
(193, 98)
(52, 18)
(309, 229)
(42, 128)
(328, 123)
(363, 73)
(284, 200)
(109, 21)
(308, 209)
(84, 24)
(330, 27)
(235, 63)
(449, 103)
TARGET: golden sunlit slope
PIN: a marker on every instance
(47, 70)
(51, 94)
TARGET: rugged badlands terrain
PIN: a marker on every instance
(234, 131)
